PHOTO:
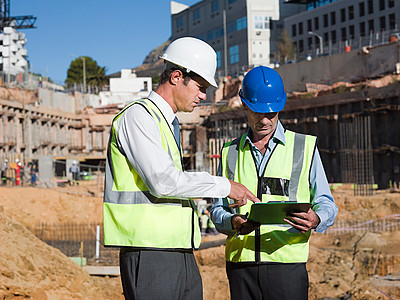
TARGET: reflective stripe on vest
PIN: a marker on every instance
(131, 215)
(285, 178)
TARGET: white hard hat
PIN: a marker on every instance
(16, 160)
(194, 55)
(74, 162)
(6, 160)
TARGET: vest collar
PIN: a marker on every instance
(279, 136)
(163, 106)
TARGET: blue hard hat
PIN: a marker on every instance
(262, 90)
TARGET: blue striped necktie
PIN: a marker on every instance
(177, 131)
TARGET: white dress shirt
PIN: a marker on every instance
(140, 138)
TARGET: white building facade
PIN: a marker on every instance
(244, 33)
(125, 89)
(13, 52)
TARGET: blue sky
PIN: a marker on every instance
(117, 34)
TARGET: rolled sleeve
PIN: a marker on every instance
(221, 215)
(323, 202)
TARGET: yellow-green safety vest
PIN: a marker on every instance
(131, 215)
(285, 178)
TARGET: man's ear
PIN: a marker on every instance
(175, 77)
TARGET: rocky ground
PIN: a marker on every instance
(357, 264)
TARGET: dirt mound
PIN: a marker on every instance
(342, 265)
(75, 204)
(32, 269)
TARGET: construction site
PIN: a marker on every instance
(51, 231)
(54, 229)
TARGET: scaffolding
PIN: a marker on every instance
(356, 154)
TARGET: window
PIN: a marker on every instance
(309, 25)
(342, 15)
(343, 33)
(215, 6)
(301, 28)
(391, 3)
(351, 31)
(294, 32)
(179, 22)
(370, 7)
(218, 59)
(231, 1)
(392, 21)
(201, 36)
(261, 22)
(333, 36)
(237, 25)
(382, 22)
(301, 46)
(351, 12)
(361, 8)
(215, 33)
(241, 23)
(371, 27)
(382, 4)
(316, 23)
(309, 43)
(196, 14)
(325, 20)
(326, 38)
(333, 18)
(362, 29)
(234, 54)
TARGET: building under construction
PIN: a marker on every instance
(356, 124)
(358, 133)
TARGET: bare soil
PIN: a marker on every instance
(352, 265)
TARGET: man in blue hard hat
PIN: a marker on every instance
(268, 261)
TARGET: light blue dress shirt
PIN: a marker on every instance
(323, 203)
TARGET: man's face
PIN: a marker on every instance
(262, 124)
(189, 95)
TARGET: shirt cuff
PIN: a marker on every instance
(323, 217)
(223, 186)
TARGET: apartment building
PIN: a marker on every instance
(244, 33)
(332, 26)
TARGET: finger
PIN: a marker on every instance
(238, 203)
(253, 198)
(301, 215)
(299, 227)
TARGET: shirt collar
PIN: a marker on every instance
(279, 135)
(163, 105)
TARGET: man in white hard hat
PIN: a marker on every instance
(148, 209)
(74, 169)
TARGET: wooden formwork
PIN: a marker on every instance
(215, 147)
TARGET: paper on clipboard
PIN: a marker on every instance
(273, 213)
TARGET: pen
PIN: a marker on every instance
(238, 232)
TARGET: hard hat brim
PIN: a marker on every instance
(210, 80)
(271, 107)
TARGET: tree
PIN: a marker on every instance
(98, 78)
(286, 49)
(95, 75)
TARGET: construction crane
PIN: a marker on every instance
(19, 22)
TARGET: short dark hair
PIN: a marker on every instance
(166, 75)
